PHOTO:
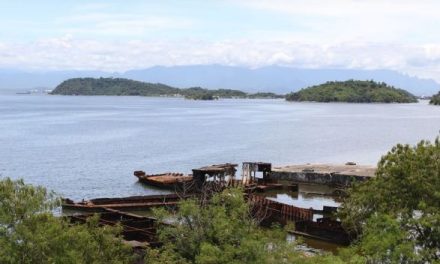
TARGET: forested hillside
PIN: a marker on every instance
(126, 87)
(354, 92)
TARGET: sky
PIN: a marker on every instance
(401, 35)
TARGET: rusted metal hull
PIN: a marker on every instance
(175, 184)
(169, 180)
(272, 211)
(137, 231)
(324, 229)
(125, 203)
(269, 187)
(131, 207)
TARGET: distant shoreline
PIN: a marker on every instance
(127, 87)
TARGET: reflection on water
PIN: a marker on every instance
(308, 196)
(314, 246)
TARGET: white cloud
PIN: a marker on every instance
(70, 53)
(369, 34)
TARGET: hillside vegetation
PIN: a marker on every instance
(435, 100)
(112, 86)
(353, 91)
(126, 87)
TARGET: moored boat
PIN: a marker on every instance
(169, 180)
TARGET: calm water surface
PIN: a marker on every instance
(85, 147)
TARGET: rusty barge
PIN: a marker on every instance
(222, 175)
(131, 203)
(137, 231)
(326, 229)
(256, 177)
(169, 180)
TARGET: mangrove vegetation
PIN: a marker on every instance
(353, 91)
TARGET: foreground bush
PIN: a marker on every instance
(222, 230)
(29, 233)
(397, 214)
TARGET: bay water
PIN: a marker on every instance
(84, 147)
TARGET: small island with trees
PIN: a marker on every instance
(126, 87)
(353, 91)
(435, 99)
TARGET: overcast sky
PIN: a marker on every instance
(401, 35)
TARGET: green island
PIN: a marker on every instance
(353, 91)
(435, 99)
(126, 87)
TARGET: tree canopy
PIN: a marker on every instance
(112, 86)
(397, 213)
(29, 233)
(435, 99)
(222, 230)
(126, 87)
(353, 91)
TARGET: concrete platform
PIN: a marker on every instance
(333, 174)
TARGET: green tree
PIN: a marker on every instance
(29, 233)
(127, 87)
(353, 91)
(435, 100)
(397, 213)
(222, 230)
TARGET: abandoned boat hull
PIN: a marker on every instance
(137, 231)
(125, 203)
(169, 180)
(324, 229)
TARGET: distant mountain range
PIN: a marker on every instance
(275, 79)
